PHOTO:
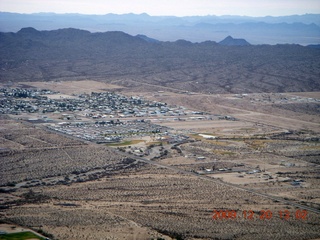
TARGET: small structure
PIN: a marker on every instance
(206, 136)
(298, 180)
(296, 184)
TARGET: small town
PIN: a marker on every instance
(97, 105)
(104, 117)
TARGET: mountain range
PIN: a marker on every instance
(230, 41)
(141, 62)
(296, 29)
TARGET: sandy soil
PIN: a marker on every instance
(75, 87)
(137, 202)
(204, 124)
(305, 94)
(60, 96)
(257, 111)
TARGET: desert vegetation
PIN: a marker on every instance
(171, 203)
(70, 188)
(30, 154)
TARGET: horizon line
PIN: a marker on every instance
(144, 13)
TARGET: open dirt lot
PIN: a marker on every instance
(258, 108)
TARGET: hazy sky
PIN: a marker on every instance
(165, 7)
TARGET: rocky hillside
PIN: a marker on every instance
(116, 57)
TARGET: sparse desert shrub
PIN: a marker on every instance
(44, 233)
(171, 234)
(11, 184)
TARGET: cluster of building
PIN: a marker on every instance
(110, 131)
(20, 100)
(25, 92)
(95, 117)
(94, 105)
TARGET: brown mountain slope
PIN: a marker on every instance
(71, 54)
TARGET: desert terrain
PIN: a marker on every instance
(203, 166)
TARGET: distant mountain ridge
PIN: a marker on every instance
(138, 62)
(144, 37)
(230, 41)
(297, 29)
